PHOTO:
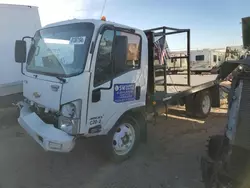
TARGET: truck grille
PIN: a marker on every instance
(49, 118)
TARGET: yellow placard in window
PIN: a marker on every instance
(133, 52)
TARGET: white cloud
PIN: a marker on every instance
(58, 10)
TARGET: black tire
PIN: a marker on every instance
(216, 146)
(200, 110)
(110, 151)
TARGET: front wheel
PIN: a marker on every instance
(123, 139)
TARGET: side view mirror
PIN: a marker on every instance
(20, 51)
(119, 55)
(119, 52)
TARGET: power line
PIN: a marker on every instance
(105, 1)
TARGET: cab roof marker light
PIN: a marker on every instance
(103, 18)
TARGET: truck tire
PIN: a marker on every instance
(216, 145)
(123, 139)
(203, 103)
(215, 161)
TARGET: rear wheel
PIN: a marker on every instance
(123, 139)
(203, 103)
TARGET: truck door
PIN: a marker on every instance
(114, 89)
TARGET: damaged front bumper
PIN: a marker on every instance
(49, 137)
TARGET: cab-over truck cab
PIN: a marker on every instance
(84, 78)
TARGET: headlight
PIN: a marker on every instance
(69, 110)
(72, 109)
(69, 125)
(69, 121)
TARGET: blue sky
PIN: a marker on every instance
(213, 24)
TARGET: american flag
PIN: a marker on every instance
(161, 47)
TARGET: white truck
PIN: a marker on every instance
(94, 77)
(16, 21)
(204, 60)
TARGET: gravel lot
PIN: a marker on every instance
(169, 159)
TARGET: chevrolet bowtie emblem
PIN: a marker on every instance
(36, 95)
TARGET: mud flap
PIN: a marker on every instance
(215, 95)
(143, 128)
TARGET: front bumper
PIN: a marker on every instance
(49, 137)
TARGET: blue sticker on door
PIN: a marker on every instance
(124, 92)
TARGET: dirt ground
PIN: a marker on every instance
(169, 159)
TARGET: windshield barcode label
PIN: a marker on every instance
(77, 40)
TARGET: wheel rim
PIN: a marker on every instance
(123, 139)
(206, 104)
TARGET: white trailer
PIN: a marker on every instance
(204, 60)
(16, 21)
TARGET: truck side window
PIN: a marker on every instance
(133, 53)
(215, 58)
(103, 68)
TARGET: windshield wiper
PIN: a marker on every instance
(61, 79)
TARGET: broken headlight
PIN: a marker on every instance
(70, 118)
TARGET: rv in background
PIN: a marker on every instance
(16, 21)
(204, 60)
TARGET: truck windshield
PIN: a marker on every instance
(60, 50)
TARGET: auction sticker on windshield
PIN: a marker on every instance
(77, 40)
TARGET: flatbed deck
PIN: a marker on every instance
(196, 80)
(176, 92)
